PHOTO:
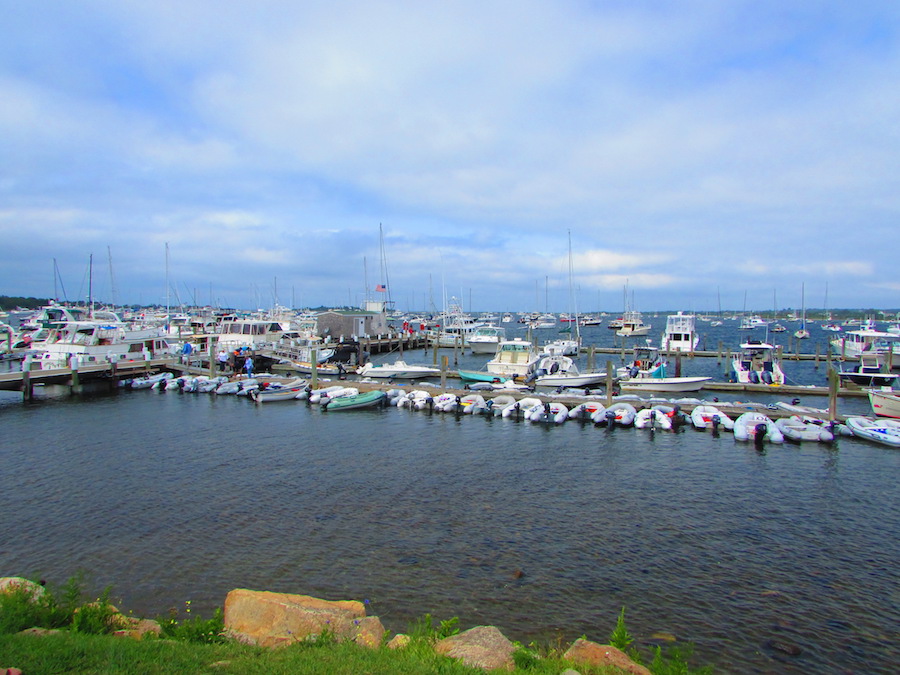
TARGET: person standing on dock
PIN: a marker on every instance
(248, 366)
(222, 358)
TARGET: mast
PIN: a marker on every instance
(167, 287)
(112, 277)
(90, 284)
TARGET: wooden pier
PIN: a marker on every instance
(26, 380)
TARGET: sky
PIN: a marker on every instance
(691, 155)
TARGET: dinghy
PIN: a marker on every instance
(756, 427)
(657, 417)
(709, 417)
(619, 413)
(884, 431)
(518, 408)
(551, 412)
(369, 399)
(586, 410)
(796, 429)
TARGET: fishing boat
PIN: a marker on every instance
(755, 426)
(648, 371)
(853, 343)
(561, 371)
(886, 432)
(884, 402)
(633, 325)
(368, 399)
(514, 358)
(397, 370)
(680, 334)
(755, 364)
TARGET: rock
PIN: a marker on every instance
(12, 584)
(273, 619)
(570, 671)
(369, 632)
(10, 671)
(398, 641)
(40, 632)
(480, 647)
(585, 652)
(135, 628)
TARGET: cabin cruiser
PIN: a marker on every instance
(486, 338)
(633, 325)
(680, 334)
(95, 342)
(514, 358)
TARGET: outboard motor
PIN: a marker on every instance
(759, 435)
(766, 377)
(716, 421)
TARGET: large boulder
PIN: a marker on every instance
(585, 652)
(480, 647)
(274, 619)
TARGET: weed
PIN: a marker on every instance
(194, 628)
(95, 618)
(620, 637)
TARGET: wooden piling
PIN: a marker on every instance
(314, 367)
(609, 383)
(444, 361)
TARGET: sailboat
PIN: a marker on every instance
(802, 333)
(566, 346)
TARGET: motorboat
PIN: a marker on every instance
(797, 429)
(398, 370)
(562, 346)
(633, 325)
(868, 373)
(514, 358)
(755, 364)
(486, 339)
(561, 371)
(886, 432)
(854, 343)
(680, 334)
(752, 322)
(884, 402)
(90, 342)
(757, 427)
(250, 333)
(368, 399)
(648, 371)
(710, 417)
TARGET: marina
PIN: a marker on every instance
(538, 521)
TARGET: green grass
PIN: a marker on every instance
(191, 644)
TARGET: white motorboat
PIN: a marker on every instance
(95, 342)
(755, 364)
(853, 343)
(757, 427)
(398, 370)
(561, 347)
(710, 417)
(884, 402)
(680, 334)
(648, 371)
(486, 339)
(752, 322)
(795, 428)
(886, 432)
(633, 325)
(868, 373)
(561, 371)
(514, 358)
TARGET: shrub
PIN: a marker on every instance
(194, 628)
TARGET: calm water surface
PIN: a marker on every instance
(537, 530)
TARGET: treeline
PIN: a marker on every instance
(8, 302)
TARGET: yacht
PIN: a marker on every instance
(680, 334)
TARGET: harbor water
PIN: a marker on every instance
(777, 560)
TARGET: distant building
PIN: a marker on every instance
(352, 322)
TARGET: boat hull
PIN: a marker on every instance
(367, 399)
(885, 404)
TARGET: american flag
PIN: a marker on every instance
(381, 287)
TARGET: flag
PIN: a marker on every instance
(381, 287)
